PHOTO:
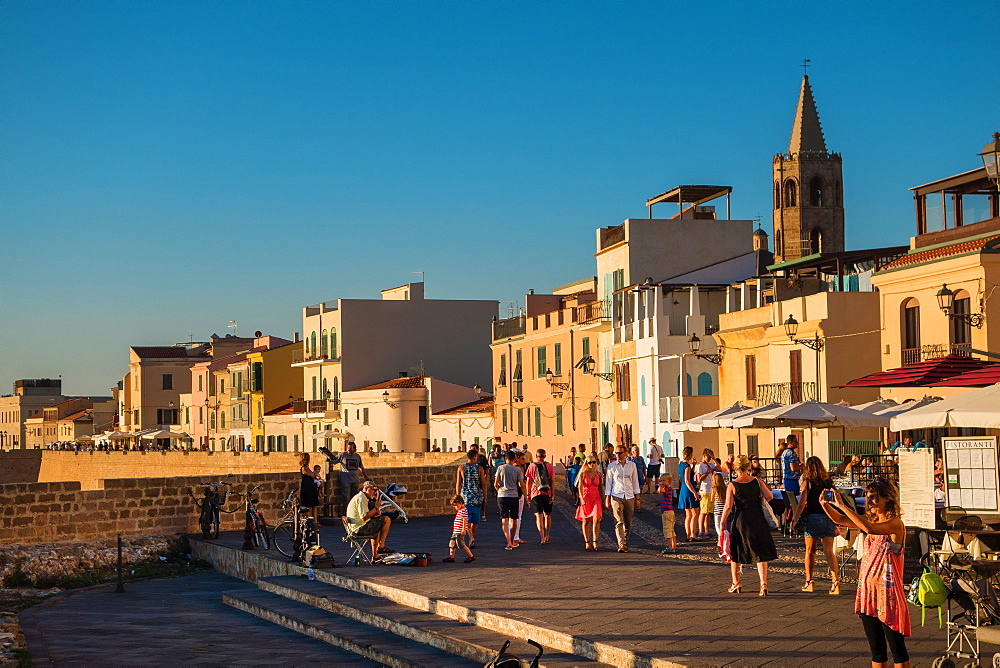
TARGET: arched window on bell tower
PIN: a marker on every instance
(791, 194)
(777, 195)
(779, 246)
(815, 241)
(816, 192)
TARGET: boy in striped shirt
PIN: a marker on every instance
(459, 528)
(667, 500)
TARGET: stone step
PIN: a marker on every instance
(472, 642)
(367, 641)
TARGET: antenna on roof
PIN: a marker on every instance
(232, 326)
(421, 275)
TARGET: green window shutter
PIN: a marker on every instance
(333, 344)
(541, 362)
(586, 346)
(557, 361)
(520, 421)
(559, 421)
(538, 421)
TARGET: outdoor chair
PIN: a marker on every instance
(360, 544)
(951, 513)
(968, 522)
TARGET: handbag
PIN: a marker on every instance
(726, 545)
(769, 516)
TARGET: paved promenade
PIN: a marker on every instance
(664, 607)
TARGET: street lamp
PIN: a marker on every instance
(586, 364)
(991, 159)
(694, 343)
(792, 327)
(553, 385)
(385, 398)
(478, 390)
(946, 302)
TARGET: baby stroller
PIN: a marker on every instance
(504, 660)
(976, 622)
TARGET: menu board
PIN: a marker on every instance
(970, 465)
(916, 488)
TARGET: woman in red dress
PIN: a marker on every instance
(591, 487)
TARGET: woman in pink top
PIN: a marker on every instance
(881, 602)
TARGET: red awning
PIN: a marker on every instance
(922, 374)
(987, 375)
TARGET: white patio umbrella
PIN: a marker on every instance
(876, 406)
(85, 437)
(907, 406)
(331, 433)
(117, 435)
(729, 420)
(698, 423)
(811, 414)
(978, 408)
(162, 433)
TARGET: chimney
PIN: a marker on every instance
(295, 337)
(403, 374)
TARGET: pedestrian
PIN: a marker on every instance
(621, 489)
(880, 601)
(667, 516)
(572, 472)
(522, 499)
(703, 476)
(743, 517)
(719, 489)
(541, 476)
(782, 446)
(308, 491)
(640, 470)
(818, 527)
(791, 465)
(459, 528)
(590, 485)
(756, 470)
(351, 471)
(509, 482)
(470, 482)
(604, 458)
(688, 499)
(729, 466)
(654, 458)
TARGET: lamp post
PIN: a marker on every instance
(815, 343)
(553, 385)
(946, 302)
(694, 343)
(385, 398)
(586, 364)
(991, 159)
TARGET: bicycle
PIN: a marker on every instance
(211, 507)
(256, 521)
(290, 528)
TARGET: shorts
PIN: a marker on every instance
(653, 472)
(669, 522)
(509, 507)
(707, 505)
(543, 504)
(457, 542)
(819, 526)
(792, 485)
(475, 514)
(370, 528)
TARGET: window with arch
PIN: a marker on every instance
(836, 194)
(688, 385)
(312, 344)
(816, 191)
(910, 330)
(959, 329)
(779, 246)
(333, 343)
(222, 420)
(323, 350)
(667, 443)
(642, 390)
(815, 241)
(791, 193)
(336, 392)
(777, 195)
(704, 384)
(323, 389)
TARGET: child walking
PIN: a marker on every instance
(719, 485)
(667, 501)
(459, 529)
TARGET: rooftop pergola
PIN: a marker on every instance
(836, 263)
(693, 195)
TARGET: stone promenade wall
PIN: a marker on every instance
(63, 511)
(88, 468)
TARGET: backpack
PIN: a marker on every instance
(928, 591)
(542, 479)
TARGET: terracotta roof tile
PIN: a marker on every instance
(484, 405)
(281, 410)
(397, 383)
(942, 252)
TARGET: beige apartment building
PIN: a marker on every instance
(29, 398)
(544, 361)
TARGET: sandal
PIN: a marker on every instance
(808, 586)
(835, 588)
(736, 589)
(468, 560)
(448, 560)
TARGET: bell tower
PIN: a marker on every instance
(808, 188)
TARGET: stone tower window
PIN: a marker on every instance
(815, 241)
(816, 192)
(779, 246)
(791, 194)
(777, 195)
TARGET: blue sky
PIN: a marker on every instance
(169, 166)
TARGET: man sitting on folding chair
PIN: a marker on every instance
(366, 520)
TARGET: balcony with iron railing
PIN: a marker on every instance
(508, 328)
(785, 393)
(301, 358)
(239, 423)
(316, 405)
(593, 312)
(931, 351)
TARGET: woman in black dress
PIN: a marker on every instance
(309, 491)
(743, 516)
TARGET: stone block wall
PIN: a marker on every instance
(63, 511)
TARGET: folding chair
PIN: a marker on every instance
(847, 556)
(357, 543)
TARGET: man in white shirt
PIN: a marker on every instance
(369, 522)
(621, 490)
(653, 460)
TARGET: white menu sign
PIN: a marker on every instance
(970, 464)
(916, 487)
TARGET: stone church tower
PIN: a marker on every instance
(808, 189)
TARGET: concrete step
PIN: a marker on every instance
(472, 642)
(367, 641)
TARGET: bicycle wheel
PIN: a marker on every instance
(260, 534)
(216, 518)
(284, 538)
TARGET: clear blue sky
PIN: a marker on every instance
(168, 166)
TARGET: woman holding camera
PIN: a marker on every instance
(818, 527)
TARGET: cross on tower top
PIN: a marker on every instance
(805, 66)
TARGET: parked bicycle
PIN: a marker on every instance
(295, 532)
(212, 507)
(255, 520)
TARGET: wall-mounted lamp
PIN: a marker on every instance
(694, 343)
(946, 302)
(477, 389)
(553, 385)
(586, 364)
(991, 159)
(385, 398)
(792, 327)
